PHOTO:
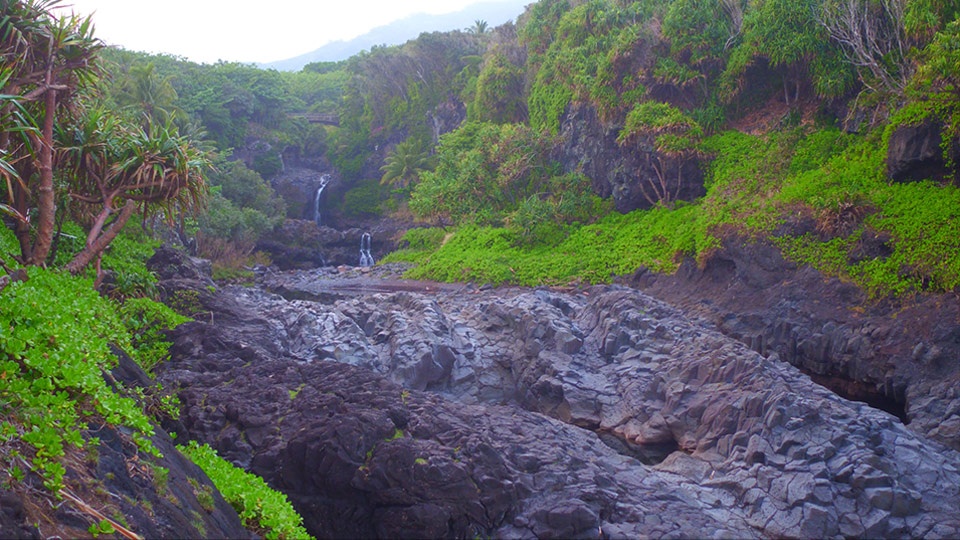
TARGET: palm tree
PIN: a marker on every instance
(148, 94)
(479, 27)
(404, 164)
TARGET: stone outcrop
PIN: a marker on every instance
(589, 145)
(897, 355)
(298, 188)
(915, 152)
(542, 413)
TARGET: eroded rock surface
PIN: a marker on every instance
(898, 355)
(523, 413)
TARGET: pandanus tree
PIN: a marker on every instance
(17, 135)
(46, 57)
(113, 170)
(55, 143)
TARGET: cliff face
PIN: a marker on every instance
(631, 174)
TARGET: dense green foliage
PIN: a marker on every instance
(616, 245)
(392, 91)
(54, 350)
(498, 91)
(242, 207)
(756, 186)
(261, 508)
(500, 173)
(852, 198)
(417, 244)
(145, 321)
(594, 56)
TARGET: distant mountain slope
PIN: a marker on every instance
(403, 30)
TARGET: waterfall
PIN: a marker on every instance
(324, 180)
(366, 259)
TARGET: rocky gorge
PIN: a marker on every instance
(386, 408)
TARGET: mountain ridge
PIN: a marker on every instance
(402, 30)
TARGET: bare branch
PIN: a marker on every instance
(872, 38)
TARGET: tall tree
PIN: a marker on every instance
(148, 94)
(479, 27)
(48, 57)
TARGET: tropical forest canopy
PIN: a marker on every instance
(465, 129)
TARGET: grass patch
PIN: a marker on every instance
(755, 184)
(617, 244)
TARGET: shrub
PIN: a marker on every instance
(146, 320)
(54, 349)
(262, 509)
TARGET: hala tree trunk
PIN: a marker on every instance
(46, 198)
(98, 241)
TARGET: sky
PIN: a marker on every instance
(206, 31)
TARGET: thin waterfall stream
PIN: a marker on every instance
(324, 180)
(366, 258)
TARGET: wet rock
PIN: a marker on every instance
(897, 356)
(915, 152)
(14, 523)
(466, 412)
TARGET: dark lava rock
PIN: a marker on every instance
(166, 497)
(622, 172)
(915, 152)
(899, 356)
(465, 412)
(14, 523)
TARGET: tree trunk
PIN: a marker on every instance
(46, 198)
(96, 245)
(22, 228)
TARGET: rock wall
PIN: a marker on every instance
(590, 146)
(301, 244)
(916, 152)
(600, 413)
(897, 355)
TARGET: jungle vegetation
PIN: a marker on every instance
(83, 152)
(789, 108)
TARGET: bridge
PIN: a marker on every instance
(320, 118)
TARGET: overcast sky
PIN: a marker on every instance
(242, 30)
